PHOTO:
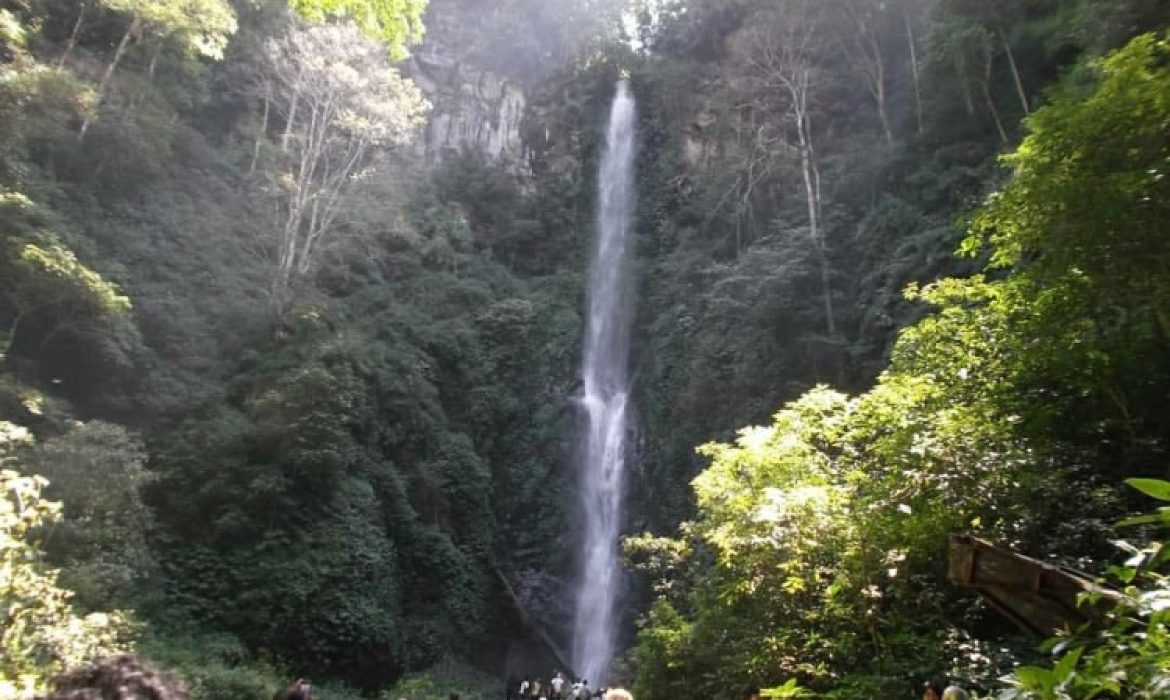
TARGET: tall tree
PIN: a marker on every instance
(999, 18)
(44, 287)
(780, 53)
(862, 27)
(968, 47)
(913, 15)
(1090, 199)
(204, 26)
(342, 104)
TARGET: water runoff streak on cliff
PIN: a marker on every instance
(605, 375)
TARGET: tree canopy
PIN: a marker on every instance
(397, 23)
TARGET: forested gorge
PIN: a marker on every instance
(290, 327)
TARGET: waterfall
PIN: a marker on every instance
(605, 376)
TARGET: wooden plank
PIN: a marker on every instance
(1038, 597)
(960, 564)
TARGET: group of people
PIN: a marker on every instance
(123, 677)
(559, 687)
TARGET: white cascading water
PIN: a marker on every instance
(605, 375)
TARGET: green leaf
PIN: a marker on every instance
(1154, 488)
(1035, 678)
(1067, 664)
(1162, 516)
(1125, 574)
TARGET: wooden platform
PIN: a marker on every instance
(1039, 597)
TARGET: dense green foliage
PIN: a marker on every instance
(42, 634)
(318, 476)
(305, 391)
(745, 304)
(395, 22)
(1011, 409)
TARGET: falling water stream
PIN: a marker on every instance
(605, 375)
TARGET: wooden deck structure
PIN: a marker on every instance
(1039, 597)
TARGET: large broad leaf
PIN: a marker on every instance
(1154, 488)
(1162, 515)
(1036, 678)
(1067, 664)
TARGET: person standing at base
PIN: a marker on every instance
(617, 694)
(954, 692)
(301, 689)
(930, 691)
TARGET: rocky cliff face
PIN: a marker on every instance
(472, 107)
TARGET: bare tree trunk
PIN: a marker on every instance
(154, 60)
(105, 81)
(964, 84)
(11, 340)
(878, 80)
(21, 314)
(863, 50)
(913, 67)
(986, 85)
(812, 189)
(292, 230)
(1163, 320)
(74, 35)
(288, 124)
(305, 253)
(320, 149)
(140, 90)
(881, 107)
(1011, 57)
(283, 277)
(259, 138)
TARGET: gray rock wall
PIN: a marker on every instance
(472, 108)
